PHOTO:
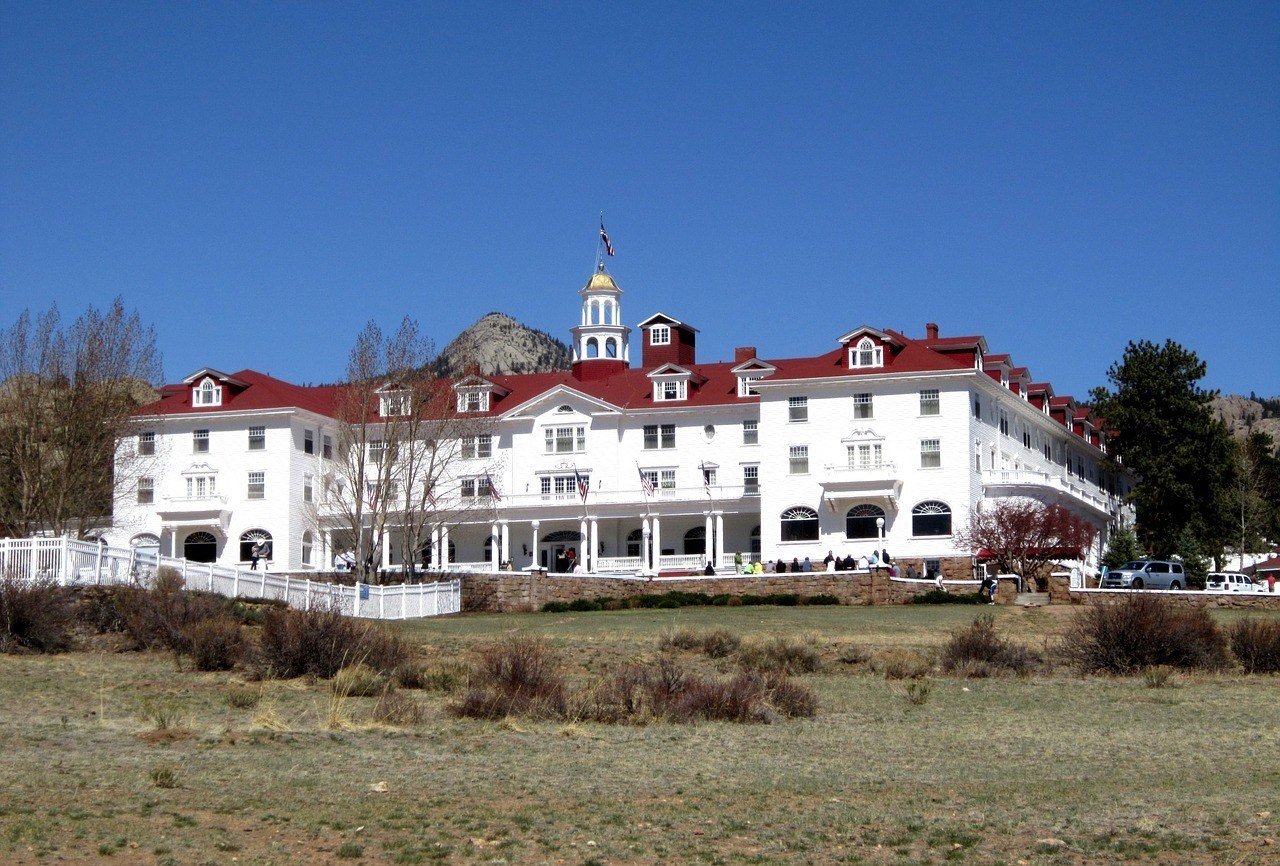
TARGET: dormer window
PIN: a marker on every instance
(660, 335)
(473, 400)
(866, 354)
(208, 394)
(394, 404)
(747, 384)
(670, 389)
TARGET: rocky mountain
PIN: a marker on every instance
(1244, 415)
(498, 344)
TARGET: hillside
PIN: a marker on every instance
(1244, 415)
(498, 344)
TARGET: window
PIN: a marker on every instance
(747, 385)
(709, 432)
(634, 539)
(327, 446)
(930, 453)
(660, 335)
(257, 485)
(659, 436)
(377, 448)
(308, 442)
(201, 486)
(1004, 423)
(651, 475)
(751, 480)
(798, 409)
(977, 408)
(862, 406)
(208, 394)
(147, 443)
(477, 446)
(564, 440)
(667, 479)
(200, 441)
(800, 524)
(750, 432)
(695, 541)
(306, 547)
(146, 491)
(1026, 438)
(1047, 449)
(257, 438)
(866, 455)
(473, 400)
(799, 456)
(259, 537)
(931, 519)
(929, 402)
(866, 354)
(669, 390)
(860, 522)
(307, 488)
(394, 404)
(708, 477)
(932, 567)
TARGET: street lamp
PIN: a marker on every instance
(880, 532)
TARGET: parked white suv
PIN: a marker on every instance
(1230, 581)
(1146, 574)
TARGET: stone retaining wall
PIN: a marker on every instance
(1060, 592)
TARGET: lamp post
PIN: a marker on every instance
(880, 532)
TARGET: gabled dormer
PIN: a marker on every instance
(1063, 410)
(1019, 381)
(1040, 394)
(476, 394)
(868, 348)
(667, 340)
(998, 367)
(673, 383)
(211, 388)
(394, 400)
(749, 370)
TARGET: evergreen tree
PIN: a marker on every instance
(1122, 548)
(1170, 440)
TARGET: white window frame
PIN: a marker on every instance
(751, 479)
(473, 400)
(798, 460)
(207, 393)
(308, 441)
(257, 487)
(660, 335)
(665, 437)
(394, 404)
(200, 441)
(146, 490)
(308, 488)
(747, 384)
(669, 390)
(930, 451)
(930, 398)
(750, 432)
(797, 410)
(863, 406)
(258, 438)
(866, 354)
(147, 443)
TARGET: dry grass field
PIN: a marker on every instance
(121, 758)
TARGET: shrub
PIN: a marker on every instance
(901, 664)
(516, 676)
(720, 644)
(322, 641)
(1256, 645)
(918, 692)
(216, 644)
(397, 708)
(243, 699)
(350, 851)
(555, 607)
(822, 599)
(978, 645)
(780, 654)
(937, 596)
(1142, 631)
(360, 681)
(1157, 677)
(792, 699)
(99, 608)
(165, 615)
(164, 777)
(853, 654)
(685, 639)
(34, 615)
(584, 605)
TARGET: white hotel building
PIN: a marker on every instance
(880, 441)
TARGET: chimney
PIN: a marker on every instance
(931, 331)
(743, 353)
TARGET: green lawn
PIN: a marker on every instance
(985, 770)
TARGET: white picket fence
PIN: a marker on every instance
(69, 562)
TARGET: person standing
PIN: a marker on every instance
(989, 588)
(737, 562)
(255, 553)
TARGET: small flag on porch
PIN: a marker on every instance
(604, 238)
(584, 486)
(645, 482)
(494, 493)
(431, 495)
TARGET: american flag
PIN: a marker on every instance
(604, 237)
(583, 485)
(431, 494)
(494, 493)
(646, 482)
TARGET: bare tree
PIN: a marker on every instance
(1246, 495)
(68, 394)
(399, 440)
(1021, 535)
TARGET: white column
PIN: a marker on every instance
(657, 544)
(386, 549)
(708, 545)
(495, 552)
(504, 542)
(533, 545)
(594, 541)
(444, 546)
(719, 539)
(646, 557)
(435, 547)
(586, 540)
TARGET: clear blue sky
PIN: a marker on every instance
(260, 179)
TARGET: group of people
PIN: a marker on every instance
(877, 559)
(566, 562)
(259, 552)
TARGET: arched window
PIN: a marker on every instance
(208, 394)
(306, 547)
(931, 518)
(252, 537)
(145, 539)
(755, 543)
(610, 313)
(611, 348)
(695, 541)
(595, 312)
(593, 347)
(860, 522)
(562, 535)
(800, 524)
(488, 548)
(635, 538)
(200, 547)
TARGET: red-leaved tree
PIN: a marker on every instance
(1021, 535)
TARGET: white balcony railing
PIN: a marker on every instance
(1030, 478)
(716, 493)
(872, 470)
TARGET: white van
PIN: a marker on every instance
(1230, 581)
